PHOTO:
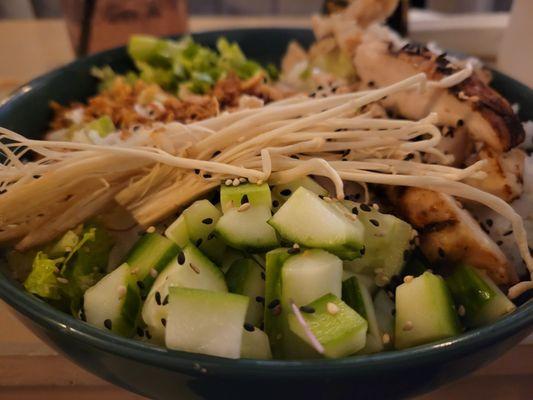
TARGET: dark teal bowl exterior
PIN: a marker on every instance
(158, 373)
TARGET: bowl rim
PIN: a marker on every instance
(61, 323)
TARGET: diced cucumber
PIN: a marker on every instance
(152, 252)
(248, 229)
(235, 196)
(229, 257)
(206, 322)
(336, 326)
(245, 277)
(190, 269)
(281, 193)
(310, 221)
(201, 218)
(309, 275)
(283, 342)
(356, 294)
(255, 345)
(385, 310)
(177, 231)
(387, 241)
(424, 312)
(114, 302)
(482, 300)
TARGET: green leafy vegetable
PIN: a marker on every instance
(103, 126)
(42, 279)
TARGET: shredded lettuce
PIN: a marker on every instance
(42, 279)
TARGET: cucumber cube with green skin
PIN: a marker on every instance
(201, 218)
(245, 277)
(190, 268)
(424, 312)
(229, 257)
(281, 193)
(385, 311)
(356, 294)
(308, 220)
(482, 300)
(151, 252)
(310, 275)
(235, 196)
(206, 322)
(341, 333)
(178, 232)
(248, 229)
(386, 239)
(255, 345)
(283, 342)
(114, 303)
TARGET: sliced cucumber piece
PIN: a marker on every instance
(229, 257)
(248, 229)
(356, 294)
(385, 311)
(114, 302)
(255, 345)
(309, 275)
(482, 301)
(336, 326)
(424, 312)
(177, 231)
(310, 221)
(387, 241)
(245, 277)
(190, 269)
(235, 196)
(281, 193)
(152, 252)
(206, 322)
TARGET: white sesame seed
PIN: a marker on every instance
(408, 326)
(381, 280)
(242, 180)
(296, 246)
(327, 199)
(236, 182)
(151, 229)
(260, 182)
(244, 207)
(134, 271)
(121, 290)
(461, 310)
(62, 280)
(375, 206)
(408, 278)
(68, 249)
(228, 182)
(386, 338)
(353, 217)
(153, 272)
(332, 308)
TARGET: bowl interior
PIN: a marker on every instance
(27, 111)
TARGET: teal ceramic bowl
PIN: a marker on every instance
(158, 373)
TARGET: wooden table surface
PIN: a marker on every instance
(31, 370)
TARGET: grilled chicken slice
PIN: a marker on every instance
(487, 116)
(505, 172)
(449, 234)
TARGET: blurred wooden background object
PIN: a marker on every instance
(96, 25)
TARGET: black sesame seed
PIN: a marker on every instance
(207, 221)
(196, 171)
(286, 192)
(508, 233)
(441, 252)
(263, 276)
(313, 94)
(355, 211)
(319, 87)
(199, 242)
(338, 130)
(108, 324)
(140, 284)
(216, 153)
(499, 242)
(158, 298)
(460, 122)
(276, 310)
(295, 156)
(409, 156)
(249, 327)
(374, 222)
(365, 207)
(143, 297)
(260, 299)
(207, 176)
(164, 321)
(165, 300)
(273, 304)
(140, 332)
(293, 250)
(211, 236)
(244, 199)
(362, 251)
(181, 258)
(148, 335)
(489, 222)
(321, 196)
(307, 309)
(275, 203)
